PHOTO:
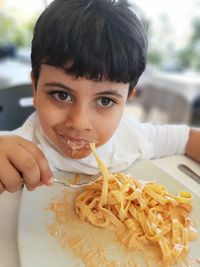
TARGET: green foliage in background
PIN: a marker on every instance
(189, 57)
(17, 34)
(154, 57)
(163, 52)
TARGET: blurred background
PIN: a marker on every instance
(169, 89)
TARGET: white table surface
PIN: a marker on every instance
(9, 207)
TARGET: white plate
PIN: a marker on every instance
(38, 249)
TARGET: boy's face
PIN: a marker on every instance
(76, 111)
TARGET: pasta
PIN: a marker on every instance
(142, 213)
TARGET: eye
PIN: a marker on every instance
(105, 102)
(62, 96)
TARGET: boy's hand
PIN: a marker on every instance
(22, 162)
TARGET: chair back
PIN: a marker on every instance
(163, 106)
(15, 106)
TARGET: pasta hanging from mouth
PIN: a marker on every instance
(142, 213)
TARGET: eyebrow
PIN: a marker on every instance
(110, 92)
(106, 92)
(57, 84)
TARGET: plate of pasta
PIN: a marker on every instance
(139, 218)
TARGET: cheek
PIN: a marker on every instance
(47, 111)
(49, 118)
(109, 125)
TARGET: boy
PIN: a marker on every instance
(87, 56)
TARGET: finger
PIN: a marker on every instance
(27, 166)
(11, 180)
(46, 175)
(2, 188)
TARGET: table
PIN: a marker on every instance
(9, 207)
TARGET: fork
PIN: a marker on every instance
(84, 183)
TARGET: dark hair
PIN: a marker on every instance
(91, 38)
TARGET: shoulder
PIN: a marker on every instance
(128, 122)
(150, 130)
(131, 126)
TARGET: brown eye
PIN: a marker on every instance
(105, 102)
(62, 96)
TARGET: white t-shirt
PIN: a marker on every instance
(132, 141)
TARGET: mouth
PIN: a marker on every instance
(75, 143)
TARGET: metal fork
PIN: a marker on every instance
(85, 182)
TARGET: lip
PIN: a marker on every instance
(75, 142)
(75, 139)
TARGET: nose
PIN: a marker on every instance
(79, 118)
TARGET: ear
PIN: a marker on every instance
(34, 90)
(132, 94)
